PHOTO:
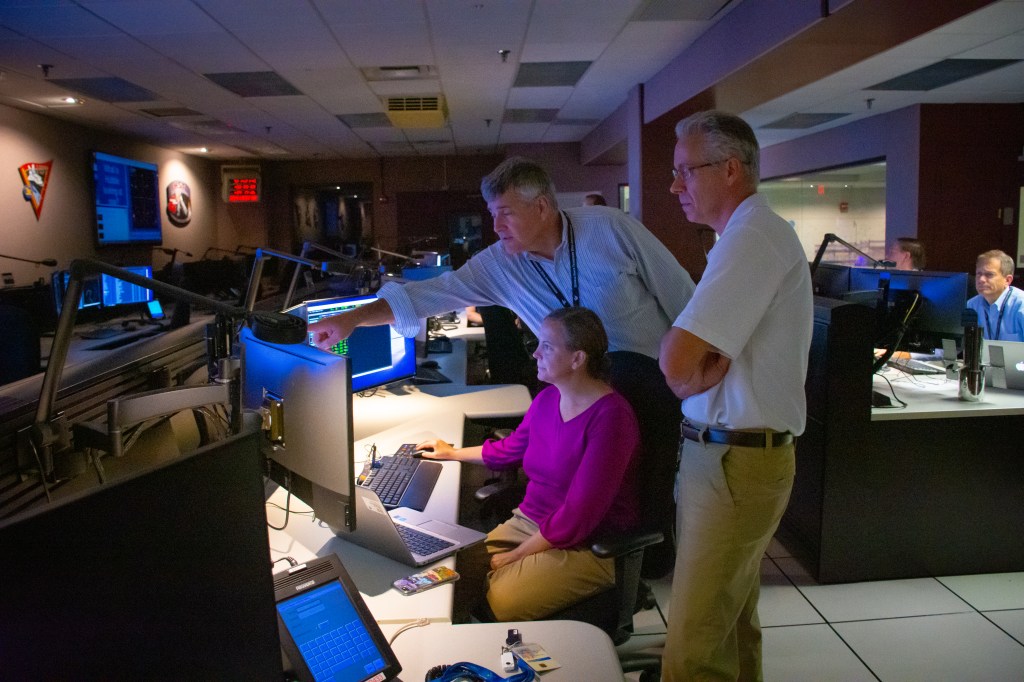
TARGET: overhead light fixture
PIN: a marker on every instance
(203, 149)
(70, 100)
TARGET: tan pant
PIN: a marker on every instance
(731, 500)
(537, 585)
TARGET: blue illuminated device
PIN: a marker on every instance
(378, 355)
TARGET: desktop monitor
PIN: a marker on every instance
(938, 313)
(831, 280)
(118, 292)
(378, 355)
(308, 396)
(92, 291)
(165, 573)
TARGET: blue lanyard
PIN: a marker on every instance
(999, 323)
(573, 271)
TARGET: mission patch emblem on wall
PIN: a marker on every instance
(179, 203)
(34, 178)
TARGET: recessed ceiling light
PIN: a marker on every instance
(203, 150)
(70, 100)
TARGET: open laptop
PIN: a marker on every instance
(404, 534)
(326, 630)
(1005, 364)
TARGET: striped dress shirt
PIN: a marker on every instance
(626, 276)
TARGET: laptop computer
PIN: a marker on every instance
(1005, 364)
(405, 535)
(326, 630)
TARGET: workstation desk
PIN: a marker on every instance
(407, 414)
(932, 488)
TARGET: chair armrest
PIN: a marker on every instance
(616, 545)
(503, 483)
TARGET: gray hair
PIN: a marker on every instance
(527, 178)
(1006, 264)
(725, 135)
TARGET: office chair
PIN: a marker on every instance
(612, 610)
(508, 361)
(19, 344)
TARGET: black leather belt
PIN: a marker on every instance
(744, 439)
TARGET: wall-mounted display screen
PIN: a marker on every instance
(127, 200)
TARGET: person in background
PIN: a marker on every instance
(577, 446)
(908, 254)
(546, 258)
(737, 356)
(594, 199)
(1000, 307)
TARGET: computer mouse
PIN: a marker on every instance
(429, 364)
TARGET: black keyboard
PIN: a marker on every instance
(421, 543)
(403, 481)
(429, 375)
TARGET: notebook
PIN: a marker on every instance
(326, 630)
(404, 534)
(1006, 364)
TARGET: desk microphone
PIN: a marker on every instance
(172, 252)
(48, 262)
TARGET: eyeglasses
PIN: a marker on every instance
(686, 172)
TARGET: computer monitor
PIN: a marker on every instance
(308, 396)
(92, 291)
(166, 573)
(118, 292)
(379, 355)
(831, 280)
(939, 299)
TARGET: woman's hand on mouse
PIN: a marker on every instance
(436, 449)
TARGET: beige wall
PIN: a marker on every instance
(66, 229)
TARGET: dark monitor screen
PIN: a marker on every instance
(126, 195)
(92, 291)
(165, 573)
(943, 297)
(118, 292)
(309, 398)
(378, 355)
(831, 280)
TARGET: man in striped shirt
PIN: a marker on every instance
(592, 256)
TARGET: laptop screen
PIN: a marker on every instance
(330, 635)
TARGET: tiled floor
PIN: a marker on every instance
(959, 628)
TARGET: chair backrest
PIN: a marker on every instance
(507, 359)
(19, 344)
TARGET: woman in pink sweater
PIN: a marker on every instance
(577, 445)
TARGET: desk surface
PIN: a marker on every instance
(936, 397)
(584, 651)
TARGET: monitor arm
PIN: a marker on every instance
(830, 238)
(50, 435)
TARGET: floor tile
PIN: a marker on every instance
(989, 592)
(648, 621)
(662, 589)
(781, 603)
(962, 647)
(1012, 622)
(809, 653)
(883, 599)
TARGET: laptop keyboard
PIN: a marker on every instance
(337, 649)
(396, 482)
(421, 543)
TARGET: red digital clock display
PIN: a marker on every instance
(243, 190)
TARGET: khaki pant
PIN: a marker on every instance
(731, 500)
(537, 585)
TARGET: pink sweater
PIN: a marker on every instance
(582, 473)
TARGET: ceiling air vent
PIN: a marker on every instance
(427, 111)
